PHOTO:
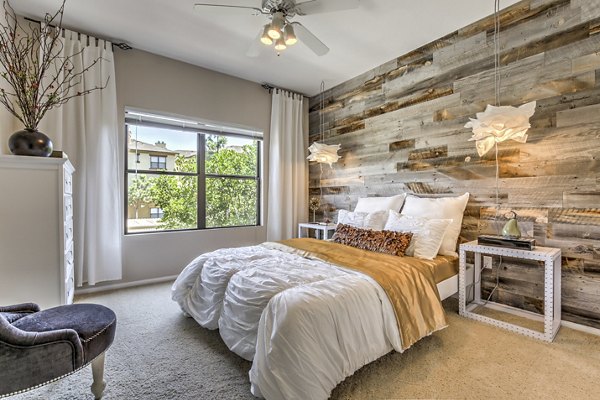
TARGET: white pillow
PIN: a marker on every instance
(373, 204)
(374, 221)
(427, 233)
(442, 208)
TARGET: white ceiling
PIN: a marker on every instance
(218, 39)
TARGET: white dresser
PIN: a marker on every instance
(36, 230)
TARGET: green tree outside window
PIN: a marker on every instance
(229, 201)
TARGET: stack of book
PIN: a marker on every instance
(501, 241)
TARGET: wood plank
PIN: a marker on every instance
(348, 181)
(427, 153)
(589, 216)
(587, 63)
(520, 50)
(588, 9)
(570, 232)
(402, 145)
(574, 50)
(581, 115)
(581, 199)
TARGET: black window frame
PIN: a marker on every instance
(201, 176)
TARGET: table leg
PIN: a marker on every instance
(477, 279)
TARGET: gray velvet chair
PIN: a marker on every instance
(39, 347)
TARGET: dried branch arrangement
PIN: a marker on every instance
(39, 76)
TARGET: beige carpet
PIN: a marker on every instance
(159, 354)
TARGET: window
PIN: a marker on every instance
(231, 168)
(158, 162)
(156, 212)
(190, 178)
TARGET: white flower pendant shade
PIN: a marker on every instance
(324, 153)
(497, 124)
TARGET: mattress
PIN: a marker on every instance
(443, 267)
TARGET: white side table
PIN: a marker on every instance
(552, 274)
(321, 229)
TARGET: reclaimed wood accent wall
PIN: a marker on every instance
(401, 128)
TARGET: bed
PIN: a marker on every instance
(305, 323)
(305, 319)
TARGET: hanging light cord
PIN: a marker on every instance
(322, 123)
(497, 94)
(497, 185)
(321, 116)
(497, 51)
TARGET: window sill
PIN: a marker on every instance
(193, 230)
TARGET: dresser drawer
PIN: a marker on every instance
(68, 187)
(69, 275)
(69, 289)
(68, 206)
(69, 262)
(68, 232)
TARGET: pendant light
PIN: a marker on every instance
(289, 36)
(280, 44)
(499, 123)
(265, 38)
(320, 152)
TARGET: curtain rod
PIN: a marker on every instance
(269, 87)
(121, 45)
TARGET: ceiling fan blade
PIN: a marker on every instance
(310, 40)
(256, 10)
(325, 6)
(255, 47)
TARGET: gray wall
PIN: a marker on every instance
(8, 125)
(156, 83)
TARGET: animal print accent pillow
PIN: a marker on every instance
(388, 242)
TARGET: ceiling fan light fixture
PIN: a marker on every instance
(280, 44)
(265, 38)
(276, 27)
(289, 35)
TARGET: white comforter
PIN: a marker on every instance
(305, 324)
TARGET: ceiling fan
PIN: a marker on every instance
(281, 31)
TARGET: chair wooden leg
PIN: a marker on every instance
(98, 374)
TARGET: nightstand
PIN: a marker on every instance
(322, 230)
(552, 273)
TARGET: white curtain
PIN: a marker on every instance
(288, 168)
(86, 129)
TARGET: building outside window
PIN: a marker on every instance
(190, 179)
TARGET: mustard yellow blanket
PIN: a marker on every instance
(408, 282)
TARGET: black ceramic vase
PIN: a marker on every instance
(30, 142)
